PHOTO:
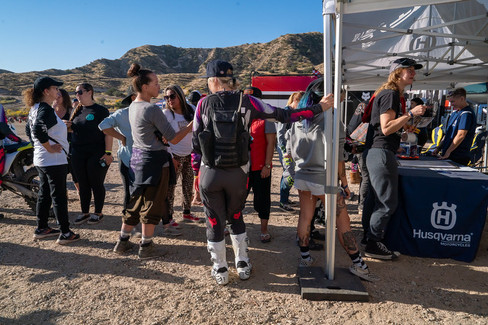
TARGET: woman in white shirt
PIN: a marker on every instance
(49, 136)
(179, 113)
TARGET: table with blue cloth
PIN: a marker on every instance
(442, 210)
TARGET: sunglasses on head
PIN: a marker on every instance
(172, 96)
(79, 92)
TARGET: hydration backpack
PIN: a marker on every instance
(224, 142)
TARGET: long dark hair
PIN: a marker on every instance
(87, 87)
(186, 108)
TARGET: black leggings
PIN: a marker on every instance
(91, 176)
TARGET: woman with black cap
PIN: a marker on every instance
(388, 117)
(221, 144)
(49, 136)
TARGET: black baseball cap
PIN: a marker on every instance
(218, 68)
(405, 63)
(42, 83)
(254, 91)
(128, 99)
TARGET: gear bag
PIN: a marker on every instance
(224, 142)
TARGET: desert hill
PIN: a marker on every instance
(291, 53)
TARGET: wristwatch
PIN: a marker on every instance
(410, 113)
(108, 153)
(268, 166)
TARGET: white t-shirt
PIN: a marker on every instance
(178, 122)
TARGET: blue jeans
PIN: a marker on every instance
(287, 178)
(383, 173)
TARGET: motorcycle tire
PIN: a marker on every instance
(31, 176)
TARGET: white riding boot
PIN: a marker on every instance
(240, 245)
(220, 270)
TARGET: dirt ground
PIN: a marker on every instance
(86, 283)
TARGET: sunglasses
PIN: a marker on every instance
(172, 96)
(79, 92)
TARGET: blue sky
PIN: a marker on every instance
(42, 34)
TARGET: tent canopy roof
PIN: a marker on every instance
(450, 39)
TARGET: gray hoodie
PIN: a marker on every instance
(305, 143)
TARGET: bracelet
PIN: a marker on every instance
(108, 153)
(344, 187)
(410, 113)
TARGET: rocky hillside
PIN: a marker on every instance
(292, 53)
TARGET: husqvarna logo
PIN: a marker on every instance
(443, 216)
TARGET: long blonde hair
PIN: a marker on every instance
(297, 95)
(392, 82)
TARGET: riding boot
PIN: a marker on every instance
(220, 271)
(240, 245)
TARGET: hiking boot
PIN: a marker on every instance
(147, 251)
(286, 207)
(191, 218)
(170, 231)
(244, 270)
(317, 235)
(221, 275)
(67, 239)
(293, 204)
(94, 219)
(363, 273)
(81, 219)
(378, 250)
(45, 233)
(123, 246)
(304, 262)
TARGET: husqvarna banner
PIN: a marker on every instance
(441, 214)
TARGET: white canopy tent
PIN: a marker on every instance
(450, 38)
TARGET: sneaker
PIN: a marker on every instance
(285, 207)
(45, 233)
(376, 249)
(191, 218)
(147, 251)
(293, 204)
(304, 262)
(170, 231)
(221, 275)
(81, 219)
(123, 246)
(364, 274)
(244, 270)
(265, 238)
(174, 224)
(94, 219)
(317, 235)
(69, 238)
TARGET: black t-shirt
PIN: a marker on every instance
(85, 126)
(385, 100)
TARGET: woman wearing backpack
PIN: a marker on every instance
(221, 149)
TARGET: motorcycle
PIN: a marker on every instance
(19, 176)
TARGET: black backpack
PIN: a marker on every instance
(224, 142)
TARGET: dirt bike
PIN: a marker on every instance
(19, 176)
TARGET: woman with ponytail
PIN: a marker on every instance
(49, 136)
(388, 117)
(151, 162)
(91, 153)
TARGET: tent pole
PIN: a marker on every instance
(329, 207)
(485, 156)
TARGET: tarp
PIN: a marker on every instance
(450, 38)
